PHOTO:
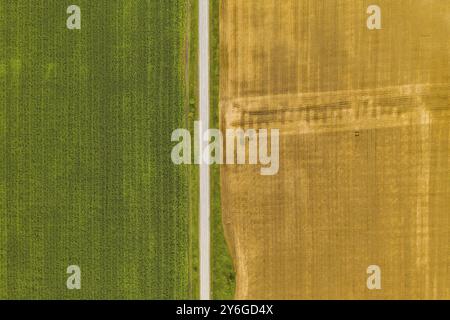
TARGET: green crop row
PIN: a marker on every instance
(86, 177)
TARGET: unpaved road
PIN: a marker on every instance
(204, 168)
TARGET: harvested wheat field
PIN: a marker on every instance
(364, 122)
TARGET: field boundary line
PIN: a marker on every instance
(204, 236)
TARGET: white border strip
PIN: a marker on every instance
(204, 168)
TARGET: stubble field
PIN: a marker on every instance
(364, 123)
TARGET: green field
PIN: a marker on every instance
(86, 177)
(194, 169)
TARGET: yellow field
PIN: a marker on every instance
(364, 121)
